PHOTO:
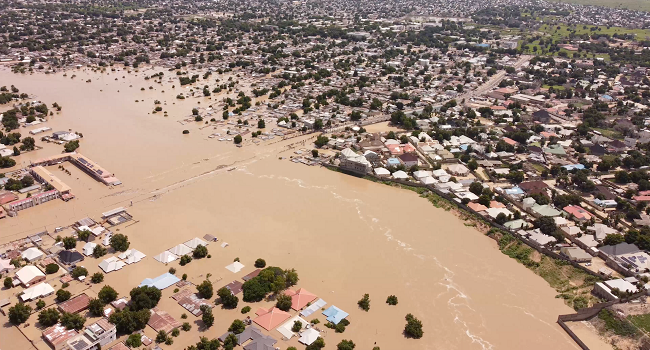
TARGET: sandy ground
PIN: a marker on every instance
(588, 334)
(345, 236)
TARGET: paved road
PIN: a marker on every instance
(494, 81)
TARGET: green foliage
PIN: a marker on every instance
(99, 251)
(71, 146)
(107, 294)
(617, 325)
(96, 307)
(134, 340)
(614, 239)
(391, 300)
(62, 295)
(19, 313)
(40, 304)
(79, 271)
(271, 279)
(413, 327)
(120, 242)
(69, 242)
(144, 297)
(321, 141)
(228, 300)
(297, 326)
(200, 252)
(185, 259)
(345, 345)
(51, 268)
(283, 302)
(161, 337)
(186, 326)
(245, 309)
(260, 263)
(97, 277)
(128, 321)
(83, 235)
(318, 344)
(237, 326)
(237, 139)
(208, 317)
(8, 282)
(205, 289)
(72, 321)
(364, 303)
(49, 317)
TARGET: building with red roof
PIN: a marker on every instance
(269, 319)
(578, 212)
(300, 298)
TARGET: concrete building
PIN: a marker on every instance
(95, 336)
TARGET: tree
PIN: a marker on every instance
(314, 153)
(79, 271)
(321, 141)
(391, 300)
(144, 297)
(200, 252)
(99, 251)
(206, 344)
(476, 188)
(205, 289)
(69, 242)
(107, 294)
(8, 282)
(128, 321)
(261, 124)
(161, 337)
(97, 277)
(40, 304)
(71, 146)
(185, 259)
(230, 342)
(186, 326)
(318, 344)
(614, 239)
(96, 307)
(83, 235)
(501, 219)
(134, 340)
(297, 326)
(260, 263)
(208, 317)
(72, 321)
(364, 303)
(62, 295)
(49, 317)
(51, 268)
(413, 327)
(19, 313)
(228, 300)
(237, 326)
(283, 302)
(546, 225)
(345, 345)
(120, 242)
(237, 139)
(472, 164)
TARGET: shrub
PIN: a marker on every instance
(413, 327)
(99, 251)
(345, 345)
(260, 263)
(134, 340)
(97, 277)
(200, 252)
(391, 300)
(315, 321)
(185, 259)
(49, 317)
(107, 294)
(205, 289)
(8, 282)
(283, 302)
(79, 271)
(186, 326)
(364, 303)
(245, 309)
(237, 139)
(172, 270)
(40, 304)
(51, 268)
(237, 326)
(184, 278)
(161, 337)
(297, 326)
(62, 295)
(176, 332)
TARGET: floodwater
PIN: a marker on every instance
(345, 236)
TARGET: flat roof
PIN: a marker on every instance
(51, 179)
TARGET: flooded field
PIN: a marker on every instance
(344, 235)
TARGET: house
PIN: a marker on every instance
(300, 298)
(408, 159)
(382, 172)
(578, 212)
(95, 336)
(29, 275)
(600, 231)
(32, 254)
(88, 248)
(545, 210)
(76, 304)
(57, 336)
(532, 187)
(38, 291)
(458, 170)
(270, 319)
(70, 257)
(356, 164)
(6, 266)
(608, 290)
(575, 254)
